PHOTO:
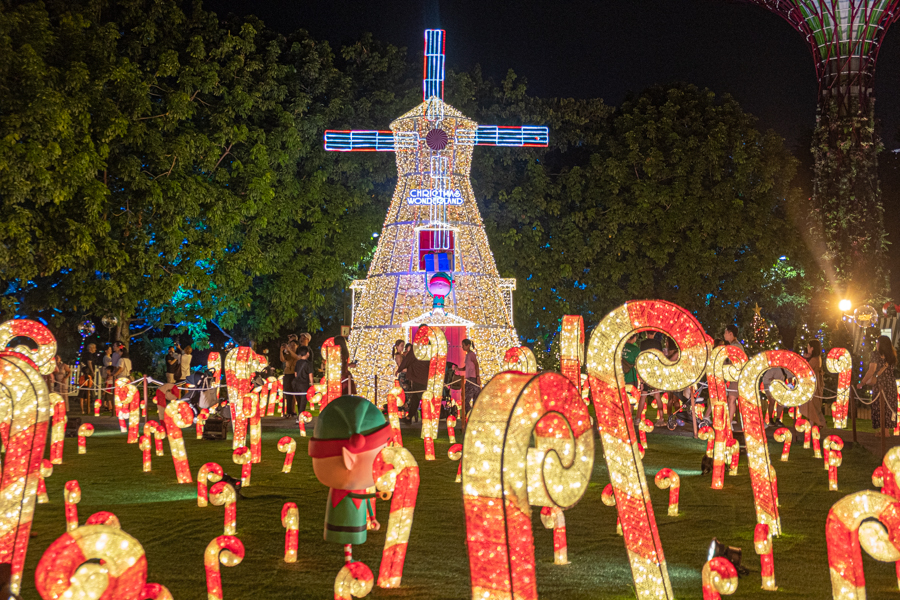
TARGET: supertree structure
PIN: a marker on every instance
(845, 37)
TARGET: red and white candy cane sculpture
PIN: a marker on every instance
(503, 477)
(122, 392)
(708, 434)
(214, 364)
(331, 352)
(834, 461)
(208, 473)
(104, 518)
(145, 444)
(644, 427)
(253, 410)
(302, 419)
(719, 577)
(159, 434)
(201, 421)
(41, 357)
(608, 496)
(24, 395)
(178, 416)
(454, 452)
(832, 442)
(613, 410)
(430, 344)
(396, 476)
(718, 377)
(805, 427)
(553, 518)
(58, 428)
(849, 529)
(223, 493)
(288, 446)
(239, 369)
(817, 447)
(394, 398)
(840, 362)
(762, 543)
(290, 520)
(96, 561)
(733, 455)
(783, 434)
(759, 463)
(571, 349)
(71, 497)
(85, 430)
(354, 580)
(46, 471)
(521, 359)
(451, 429)
(667, 478)
(225, 549)
(242, 457)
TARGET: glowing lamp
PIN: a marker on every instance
(845, 305)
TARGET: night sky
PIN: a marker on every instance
(606, 48)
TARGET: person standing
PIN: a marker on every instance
(107, 379)
(881, 376)
(397, 356)
(173, 365)
(472, 372)
(417, 377)
(289, 358)
(303, 379)
(812, 410)
(348, 385)
(124, 366)
(186, 358)
(61, 375)
(730, 336)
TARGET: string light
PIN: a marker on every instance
(242, 457)
(71, 497)
(146, 446)
(803, 426)
(354, 580)
(239, 369)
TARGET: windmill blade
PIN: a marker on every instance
(433, 72)
(500, 135)
(359, 141)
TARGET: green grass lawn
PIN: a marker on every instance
(164, 517)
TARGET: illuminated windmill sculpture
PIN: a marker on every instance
(845, 37)
(433, 236)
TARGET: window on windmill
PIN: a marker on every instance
(437, 249)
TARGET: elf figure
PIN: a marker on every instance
(349, 434)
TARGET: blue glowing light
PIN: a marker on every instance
(500, 135)
(359, 141)
(433, 72)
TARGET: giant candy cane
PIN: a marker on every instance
(571, 348)
(839, 361)
(396, 473)
(239, 367)
(718, 377)
(521, 359)
(40, 359)
(503, 477)
(24, 397)
(430, 344)
(613, 410)
(331, 352)
(178, 416)
(761, 476)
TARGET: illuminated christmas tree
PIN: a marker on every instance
(433, 264)
(762, 336)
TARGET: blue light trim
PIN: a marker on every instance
(499, 135)
(359, 141)
(433, 71)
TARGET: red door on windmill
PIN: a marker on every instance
(433, 226)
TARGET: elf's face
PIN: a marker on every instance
(347, 471)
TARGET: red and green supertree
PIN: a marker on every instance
(846, 215)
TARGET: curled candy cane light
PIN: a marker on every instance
(239, 369)
(288, 446)
(832, 442)
(242, 457)
(331, 352)
(304, 418)
(159, 434)
(667, 478)
(253, 412)
(394, 398)
(840, 362)
(521, 359)
(227, 550)
(223, 494)
(718, 377)
(97, 404)
(616, 428)
(805, 427)
(878, 479)
(155, 591)
(71, 497)
(201, 421)
(85, 430)
(146, 446)
(733, 455)
(719, 577)
(817, 448)
(208, 473)
(104, 518)
(608, 496)
(758, 461)
(290, 520)
(46, 471)
(122, 393)
(644, 427)
(503, 476)
(571, 349)
(834, 461)
(708, 434)
(178, 416)
(762, 543)
(214, 364)
(848, 530)
(354, 580)
(553, 518)
(451, 429)
(40, 357)
(454, 452)
(58, 428)
(94, 561)
(396, 474)
(783, 434)
(430, 344)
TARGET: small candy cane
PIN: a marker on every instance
(155, 591)
(208, 473)
(243, 457)
(146, 447)
(225, 549)
(72, 496)
(667, 478)
(817, 449)
(58, 428)
(97, 406)
(290, 520)
(46, 471)
(644, 427)
(709, 434)
(783, 434)
(304, 418)
(762, 543)
(104, 518)
(878, 478)
(719, 577)
(201, 421)
(834, 461)
(609, 499)
(288, 446)
(223, 493)
(733, 454)
(803, 426)
(179, 415)
(159, 434)
(451, 432)
(832, 442)
(85, 430)
(354, 580)
(552, 517)
(454, 452)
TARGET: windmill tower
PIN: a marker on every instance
(844, 37)
(433, 265)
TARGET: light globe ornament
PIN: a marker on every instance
(109, 321)
(865, 316)
(86, 328)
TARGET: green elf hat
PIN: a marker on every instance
(348, 422)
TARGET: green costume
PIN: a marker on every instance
(355, 423)
(629, 357)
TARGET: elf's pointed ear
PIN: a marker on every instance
(349, 459)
